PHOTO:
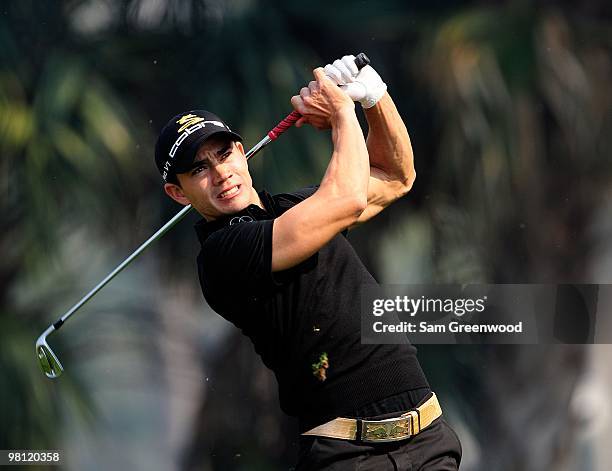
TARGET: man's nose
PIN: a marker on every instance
(221, 172)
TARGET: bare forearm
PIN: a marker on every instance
(336, 205)
(348, 171)
(388, 142)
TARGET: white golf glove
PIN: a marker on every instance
(364, 86)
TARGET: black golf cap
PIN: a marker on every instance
(180, 139)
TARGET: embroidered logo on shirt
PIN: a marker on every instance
(319, 369)
(239, 219)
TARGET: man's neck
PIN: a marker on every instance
(255, 199)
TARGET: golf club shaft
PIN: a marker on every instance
(280, 128)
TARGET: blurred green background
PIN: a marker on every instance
(509, 107)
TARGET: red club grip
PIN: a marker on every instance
(285, 124)
(361, 61)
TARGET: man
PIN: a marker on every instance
(281, 269)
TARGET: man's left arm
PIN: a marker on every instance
(392, 172)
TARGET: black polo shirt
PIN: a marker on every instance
(294, 316)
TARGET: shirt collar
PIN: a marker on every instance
(271, 210)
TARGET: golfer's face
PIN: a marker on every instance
(219, 183)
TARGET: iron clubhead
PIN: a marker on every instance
(49, 363)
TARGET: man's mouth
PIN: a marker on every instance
(230, 192)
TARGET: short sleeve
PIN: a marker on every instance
(288, 200)
(306, 192)
(236, 262)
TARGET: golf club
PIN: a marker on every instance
(49, 362)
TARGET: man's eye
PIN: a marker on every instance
(198, 169)
(226, 155)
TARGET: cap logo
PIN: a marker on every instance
(187, 121)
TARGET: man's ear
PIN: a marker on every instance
(176, 193)
(240, 146)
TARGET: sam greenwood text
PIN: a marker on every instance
(452, 327)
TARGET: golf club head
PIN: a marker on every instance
(49, 363)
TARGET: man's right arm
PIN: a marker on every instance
(342, 195)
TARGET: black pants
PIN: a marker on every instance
(435, 448)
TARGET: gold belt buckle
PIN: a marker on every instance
(389, 430)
